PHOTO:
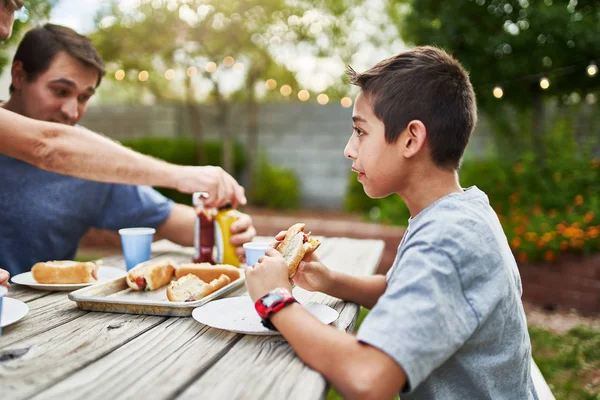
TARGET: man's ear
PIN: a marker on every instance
(415, 135)
(19, 76)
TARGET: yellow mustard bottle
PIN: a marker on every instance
(225, 250)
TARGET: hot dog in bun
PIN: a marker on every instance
(295, 246)
(151, 275)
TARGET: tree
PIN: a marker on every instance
(33, 12)
(512, 44)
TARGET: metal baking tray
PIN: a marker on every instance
(115, 296)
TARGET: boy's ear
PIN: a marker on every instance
(18, 74)
(414, 138)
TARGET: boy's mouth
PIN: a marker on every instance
(360, 174)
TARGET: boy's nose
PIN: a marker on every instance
(350, 150)
(70, 110)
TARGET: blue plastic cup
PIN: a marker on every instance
(3, 291)
(254, 250)
(136, 244)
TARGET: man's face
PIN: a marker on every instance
(378, 164)
(60, 94)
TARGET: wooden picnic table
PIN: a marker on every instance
(60, 351)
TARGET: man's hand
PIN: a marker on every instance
(4, 275)
(271, 272)
(242, 231)
(221, 187)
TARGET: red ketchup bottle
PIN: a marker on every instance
(204, 233)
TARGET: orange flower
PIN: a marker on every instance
(531, 236)
(579, 199)
(514, 197)
(595, 162)
(589, 216)
(537, 210)
(564, 245)
(540, 244)
(518, 168)
(549, 256)
(593, 232)
(523, 257)
(515, 243)
(553, 213)
(519, 230)
(561, 227)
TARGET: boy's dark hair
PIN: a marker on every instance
(40, 45)
(12, 5)
(428, 85)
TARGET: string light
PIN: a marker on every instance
(544, 83)
(285, 90)
(143, 76)
(120, 75)
(322, 99)
(346, 102)
(191, 71)
(271, 84)
(211, 67)
(498, 92)
(169, 74)
(238, 67)
(592, 69)
(303, 95)
(228, 61)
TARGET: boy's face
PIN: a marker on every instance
(7, 16)
(378, 164)
(60, 94)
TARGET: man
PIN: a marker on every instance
(82, 153)
(54, 74)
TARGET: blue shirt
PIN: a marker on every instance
(44, 215)
(451, 315)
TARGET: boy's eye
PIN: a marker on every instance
(60, 92)
(358, 131)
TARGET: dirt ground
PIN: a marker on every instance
(559, 321)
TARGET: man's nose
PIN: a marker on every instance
(70, 110)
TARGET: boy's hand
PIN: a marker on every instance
(270, 272)
(4, 275)
(311, 274)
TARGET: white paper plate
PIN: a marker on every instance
(237, 314)
(12, 311)
(104, 274)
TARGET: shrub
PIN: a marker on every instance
(275, 187)
(184, 151)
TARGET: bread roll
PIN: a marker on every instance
(207, 272)
(191, 288)
(151, 275)
(295, 246)
(55, 272)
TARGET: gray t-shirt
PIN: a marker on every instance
(451, 315)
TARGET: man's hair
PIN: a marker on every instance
(40, 45)
(428, 85)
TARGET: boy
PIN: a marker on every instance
(447, 321)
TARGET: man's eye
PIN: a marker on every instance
(358, 132)
(61, 92)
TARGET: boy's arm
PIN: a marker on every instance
(362, 290)
(358, 371)
(81, 153)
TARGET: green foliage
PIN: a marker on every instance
(184, 151)
(275, 187)
(33, 12)
(569, 362)
(510, 43)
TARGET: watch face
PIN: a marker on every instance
(271, 299)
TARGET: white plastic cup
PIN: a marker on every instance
(136, 243)
(3, 291)
(254, 250)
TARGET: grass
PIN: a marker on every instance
(569, 362)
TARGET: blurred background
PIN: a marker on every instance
(258, 87)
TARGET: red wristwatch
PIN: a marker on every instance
(272, 302)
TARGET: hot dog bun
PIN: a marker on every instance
(65, 272)
(151, 275)
(207, 272)
(191, 288)
(295, 246)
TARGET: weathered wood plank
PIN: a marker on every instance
(30, 366)
(254, 367)
(45, 313)
(25, 293)
(154, 365)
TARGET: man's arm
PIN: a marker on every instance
(87, 155)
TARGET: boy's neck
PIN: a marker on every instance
(12, 105)
(428, 188)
